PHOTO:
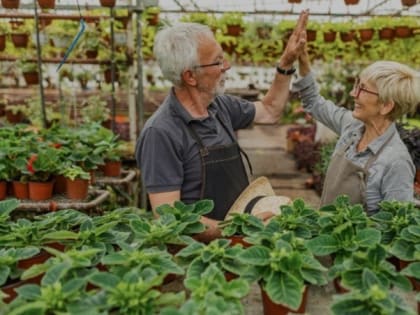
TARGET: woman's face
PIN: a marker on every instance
(366, 101)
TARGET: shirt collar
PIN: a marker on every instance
(377, 144)
(179, 110)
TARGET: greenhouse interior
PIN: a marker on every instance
(203, 157)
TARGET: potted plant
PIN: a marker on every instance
(151, 15)
(40, 169)
(83, 77)
(20, 35)
(283, 267)
(77, 182)
(29, 69)
(197, 257)
(350, 271)
(212, 294)
(233, 23)
(372, 296)
(108, 3)
(4, 30)
(46, 4)
(239, 225)
(15, 113)
(111, 150)
(10, 4)
(95, 109)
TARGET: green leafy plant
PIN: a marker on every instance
(393, 217)
(241, 224)
(406, 246)
(9, 258)
(133, 293)
(198, 257)
(189, 216)
(95, 109)
(373, 298)
(283, 267)
(212, 294)
(343, 230)
(350, 271)
(74, 172)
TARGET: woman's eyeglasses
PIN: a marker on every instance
(357, 88)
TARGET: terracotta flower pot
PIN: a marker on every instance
(10, 4)
(77, 189)
(10, 288)
(46, 4)
(21, 190)
(31, 78)
(238, 239)
(408, 3)
(330, 36)
(351, 2)
(347, 36)
(418, 176)
(2, 42)
(338, 287)
(386, 33)
(14, 118)
(310, 35)
(20, 40)
(403, 31)
(112, 168)
(60, 185)
(271, 308)
(234, 30)
(108, 3)
(3, 190)
(366, 34)
(40, 190)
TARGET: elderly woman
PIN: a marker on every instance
(370, 162)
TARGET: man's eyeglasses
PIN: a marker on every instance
(357, 88)
(220, 63)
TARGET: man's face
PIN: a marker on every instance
(211, 72)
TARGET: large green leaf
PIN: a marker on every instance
(104, 280)
(323, 245)
(255, 255)
(283, 288)
(33, 308)
(4, 274)
(56, 272)
(368, 237)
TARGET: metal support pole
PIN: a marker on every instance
(39, 61)
(113, 71)
(140, 95)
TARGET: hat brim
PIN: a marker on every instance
(259, 187)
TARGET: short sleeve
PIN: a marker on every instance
(158, 156)
(240, 112)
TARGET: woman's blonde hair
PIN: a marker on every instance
(396, 83)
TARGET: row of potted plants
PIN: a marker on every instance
(116, 263)
(31, 159)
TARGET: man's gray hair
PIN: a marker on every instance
(176, 48)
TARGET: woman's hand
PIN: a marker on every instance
(304, 63)
(296, 43)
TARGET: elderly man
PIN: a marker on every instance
(188, 150)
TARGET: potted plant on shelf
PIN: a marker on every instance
(77, 182)
(111, 151)
(10, 4)
(232, 23)
(108, 3)
(40, 169)
(4, 30)
(46, 4)
(15, 113)
(151, 15)
(29, 70)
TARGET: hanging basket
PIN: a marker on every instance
(347, 36)
(10, 4)
(403, 31)
(46, 4)
(330, 36)
(108, 3)
(310, 35)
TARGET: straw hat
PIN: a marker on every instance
(262, 194)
